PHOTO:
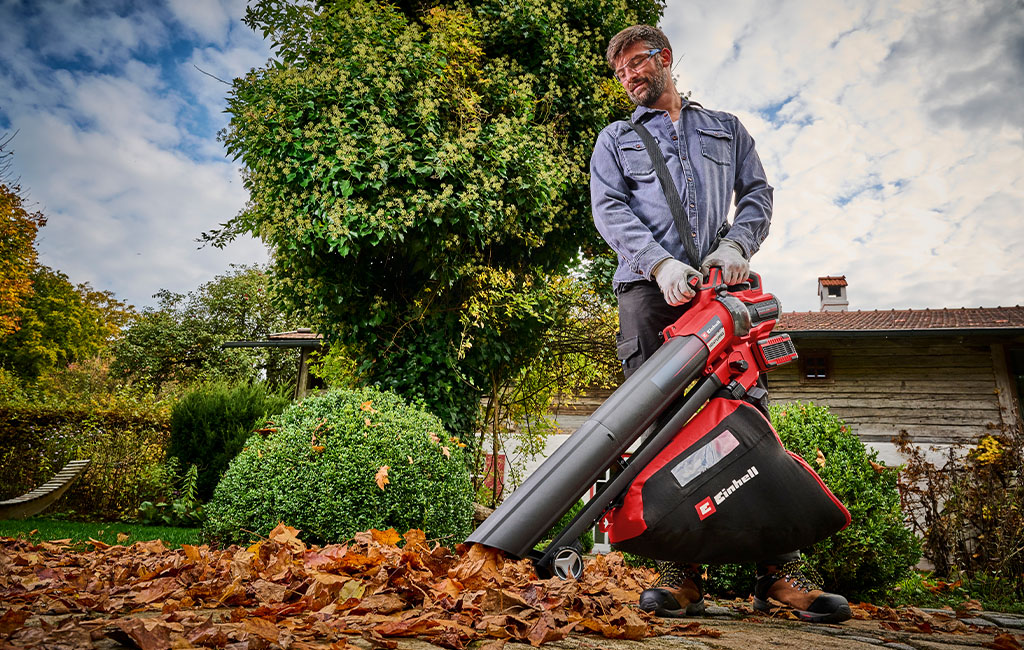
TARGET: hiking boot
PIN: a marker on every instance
(788, 585)
(677, 592)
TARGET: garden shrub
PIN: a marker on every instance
(876, 551)
(343, 462)
(969, 510)
(77, 412)
(126, 450)
(210, 424)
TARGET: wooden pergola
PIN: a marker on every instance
(303, 338)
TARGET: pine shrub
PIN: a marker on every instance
(210, 424)
(343, 462)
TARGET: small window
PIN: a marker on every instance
(835, 292)
(815, 366)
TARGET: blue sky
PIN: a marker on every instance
(893, 132)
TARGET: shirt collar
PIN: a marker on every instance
(642, 111)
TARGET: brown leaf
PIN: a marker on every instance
(433, 438)
(380, 604)
(287, 536)
(269, 592)
(122, 538)
(382, 476)
(262, 628)
(478, 567)
(1005, 641)
(447, 453)
(154, 547)
(318, 448)
(878, 468)
(158, 590)
(389, 537)
(12, 620)
(820, 459)
(147, 635)
(367, 406)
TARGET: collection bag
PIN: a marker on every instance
(724, 490)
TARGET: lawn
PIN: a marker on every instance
(40, 529)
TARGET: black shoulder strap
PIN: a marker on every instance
(675, 204)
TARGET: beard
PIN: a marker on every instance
(653, 86)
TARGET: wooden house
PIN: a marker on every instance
(942, 375)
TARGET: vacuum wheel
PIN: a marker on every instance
(567, 563)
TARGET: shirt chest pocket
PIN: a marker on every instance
(636, 162)
(716, 145)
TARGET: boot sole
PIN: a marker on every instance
(693, 609)
(841, 613)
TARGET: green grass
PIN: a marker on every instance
(38, 530)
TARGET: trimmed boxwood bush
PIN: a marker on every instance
(211, 423)
(876, 551)
(321, 471)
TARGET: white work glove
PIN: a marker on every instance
(674, 279)
(728, 256)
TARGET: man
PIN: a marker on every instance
(711, 158)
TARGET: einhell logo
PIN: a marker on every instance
(737, 483)
(705, 508)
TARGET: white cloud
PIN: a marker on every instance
(895, 140)
(120, 154)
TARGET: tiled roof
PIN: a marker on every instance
(903, 319)
(300, 334)
(833, 281)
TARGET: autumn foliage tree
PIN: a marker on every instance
(419, 171)
(18, 228)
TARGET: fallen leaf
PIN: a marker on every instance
(820, 459)
(433, 438)
(1004, 641)
(878, 468)
(389, 537)
(12, 620)
(318, 448)
(122, 537)
(446, 452)
(382, 476)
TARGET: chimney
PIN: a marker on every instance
(832, 292)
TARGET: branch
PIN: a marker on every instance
(226, 83)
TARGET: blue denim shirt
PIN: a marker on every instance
(711, 158)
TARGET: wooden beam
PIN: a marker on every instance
(1005, 389)
(302, 385)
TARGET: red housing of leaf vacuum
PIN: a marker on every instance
(710, 482)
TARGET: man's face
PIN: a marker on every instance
(642, 74)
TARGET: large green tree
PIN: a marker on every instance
(180, 339)
(60, 323)
(419, 171)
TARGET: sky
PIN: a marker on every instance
(892, 131)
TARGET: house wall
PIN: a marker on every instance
(940, 389)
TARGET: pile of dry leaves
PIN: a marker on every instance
(279, 592)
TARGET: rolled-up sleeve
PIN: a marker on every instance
(753, 195)
(618, 224)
